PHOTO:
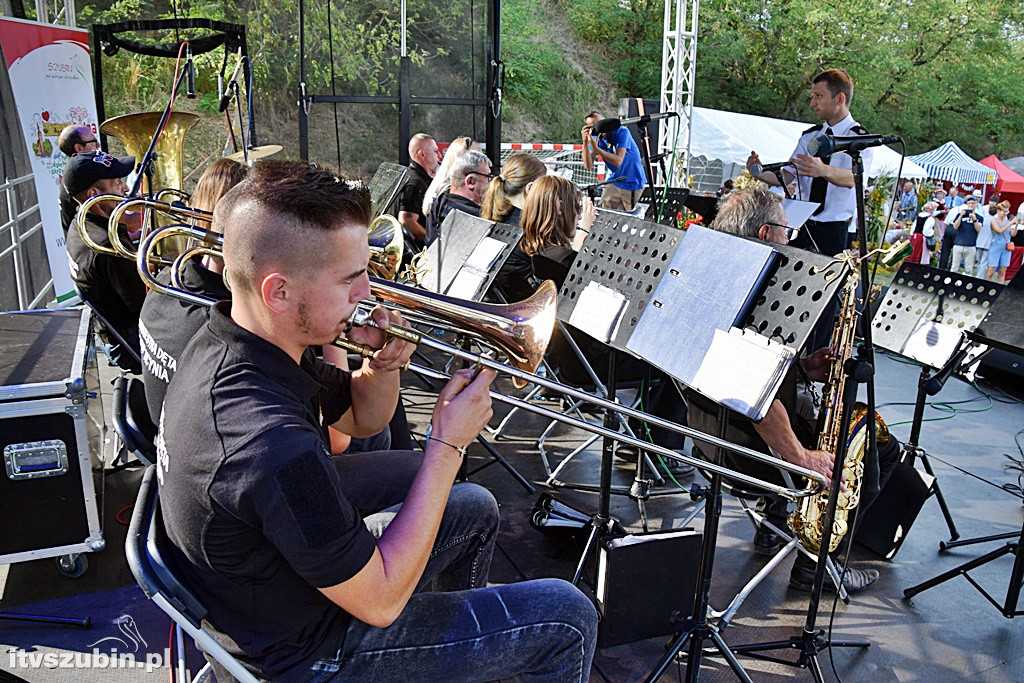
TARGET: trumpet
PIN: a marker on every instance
(521, 331)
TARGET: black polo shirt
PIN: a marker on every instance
(109, 283)
(167, 324)
(445, 203)
(411, 197)
(250, 498)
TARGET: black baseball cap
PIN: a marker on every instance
(85, 168)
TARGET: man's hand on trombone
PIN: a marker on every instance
(392, 353)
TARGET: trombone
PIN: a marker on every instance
(117, 245)
(521, 331)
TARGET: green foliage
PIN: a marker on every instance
(540, 82)
(629, 34)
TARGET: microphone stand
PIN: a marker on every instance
(145, 166)
(859, 370)
(782, 182)
(591, 190)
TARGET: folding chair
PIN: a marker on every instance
(131, 419)
(144, 549)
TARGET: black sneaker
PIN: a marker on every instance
(855, 580)
(766, 541)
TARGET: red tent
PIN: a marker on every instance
(1009, 185)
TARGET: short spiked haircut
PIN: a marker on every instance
(279, 216)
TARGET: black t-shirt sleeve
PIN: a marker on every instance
(290, 490)
(336, 392)
(411, 199)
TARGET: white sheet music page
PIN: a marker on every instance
(467, 284)
(742, 371)
(598, 311)
(932, 343)
(485, 254)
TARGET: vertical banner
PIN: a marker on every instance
(51, 77)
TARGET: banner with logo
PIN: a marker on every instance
(51, 76)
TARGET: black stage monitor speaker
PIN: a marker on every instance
(887, 522)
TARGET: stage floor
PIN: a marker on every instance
(949, 633)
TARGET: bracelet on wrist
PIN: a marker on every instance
(461, 449)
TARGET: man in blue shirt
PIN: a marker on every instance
(620, 153)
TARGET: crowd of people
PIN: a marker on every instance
(964, 234)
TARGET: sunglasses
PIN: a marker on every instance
(482, 175)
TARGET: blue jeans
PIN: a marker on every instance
(454, 629)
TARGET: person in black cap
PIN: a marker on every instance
(107, 283)
(73, 139)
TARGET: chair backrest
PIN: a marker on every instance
(145, 550)
(111, 330)
(131, 419)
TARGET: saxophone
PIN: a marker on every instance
(808, 520)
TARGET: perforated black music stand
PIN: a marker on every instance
(1001, 329)
(628, 256)
(460, 234)
(785, 312)
(925, 316)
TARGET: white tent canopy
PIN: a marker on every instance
(951, 163)
(730, 137)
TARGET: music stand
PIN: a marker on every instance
(782, 314)
(453, 253)
(449, 256)
(924, 317)
(1000, 329)
(677, 199)
(626, 255)
(385, 184)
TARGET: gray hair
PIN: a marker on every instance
(743, 212)
(467, 163)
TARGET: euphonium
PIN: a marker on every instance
(808, 520)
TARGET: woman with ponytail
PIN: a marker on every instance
(503, 203)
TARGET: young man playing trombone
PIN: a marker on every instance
(314, 569)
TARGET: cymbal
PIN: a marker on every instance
(256, 153)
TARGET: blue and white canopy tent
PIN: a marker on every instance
(949, 162)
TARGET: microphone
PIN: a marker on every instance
(190, 74)
(605, 126)
(757, 169)
(935, 383)
(826, 145)
(225, 98)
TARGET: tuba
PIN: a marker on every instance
(808, 520)
(387, 245)
(136, 131)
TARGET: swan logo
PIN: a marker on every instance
(130, 639)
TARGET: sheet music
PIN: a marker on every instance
(797, 212)
(485, 254)
(467, 284)
(932, 343)
(598, 311)
(743, 370)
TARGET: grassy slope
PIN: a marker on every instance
(551, 80)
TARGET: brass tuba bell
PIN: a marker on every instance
(136, 131)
